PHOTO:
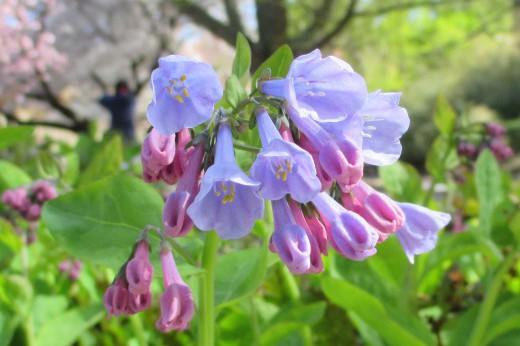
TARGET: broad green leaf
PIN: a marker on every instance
(402, 181)
(66, 328)
(12, 176)
(505, 318)
(282, 334)
(278, 63)
(488, 183)
(16, 294)
(444, 116)
(8, 325)
(47, 307)
(239, 273)
(374, 313)
(234, 92)
(10, 242)
(100, 222)
(242, 60)
(14, 134)
(304, 314)
(106, 161)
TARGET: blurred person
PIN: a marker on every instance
(122, 108)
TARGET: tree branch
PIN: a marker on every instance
(202, 18)
(341, 25)
(77, 127)
(321, 16)
(232, 14)
(404, 6)
(55, 102)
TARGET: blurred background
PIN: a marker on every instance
(457, 64)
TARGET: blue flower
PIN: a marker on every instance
(328, 87)
(419, 232)
(228, 201)
(184, 94)
(283, 167)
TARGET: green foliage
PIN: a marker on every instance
(105, 162)
(277, 64)
(242, 60)
(14, 134)
(488, 183)
(402, 182)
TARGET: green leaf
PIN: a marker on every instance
(278, 63)
(47, 307)
(282, 334)
(504, 319)
(444, 116)
(374, 313)
(8, 325)
(402, 181)
(12, 176)
(14, 134)
(234, 92)
(439, 158)
(305, 314)
(66, 328)
(48, 166)
(242, 60)
(100, 222)
(106, 161)
(239, 273)
(489, 192)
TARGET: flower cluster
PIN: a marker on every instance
(486, 136)
(28, 202)
(131, 290)
(310, 167)
(71, 269)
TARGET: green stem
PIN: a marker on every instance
(484, 314)
(207, 291)
(246, 147)
(182, 251)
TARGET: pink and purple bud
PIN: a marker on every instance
(17, 199)
(176, 221)
(282, 167)
(228, 200)
(290, 239)
(495, 129)
(177, 306)
(348, 233)
(378, 210)
(500, 150)
(116, 298)
(139, 270)
(184, 94)
(43, 191)
(328, 87)
(157, 153)
(467, 149)
(419, 233)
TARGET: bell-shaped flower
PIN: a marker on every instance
(349, 233)
(283, 167)
(327, 86)
(139, 270)
(339, 158)
(228, 200)
(290, 239)
(316, 262)
(116, 298)
(139, 302)
(319, 231)
(184, 94)
(377, 209)
(182, 154)
(175, 220)
(177, 305)
(384, 122)
(419, 232)
(157, 153)
(325, 180)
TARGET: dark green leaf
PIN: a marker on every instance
(234, 92)
(279, 64)
(488, 183)
(242, 59)
(239, 273)
(402, 181)
(440, 157)
(106, 161)
(14, 134)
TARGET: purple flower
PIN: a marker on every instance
(377, 209)
(139, 270)
(290, 239)
(500, 149)
(228, 201)
(328, 87)
(43, 191)
(157, 152)
(283, 167)
(419, 233)
(384, 122)
(116, 297)
(175, 220)
(177, 305)
(349, 233)
(184, 94)
(495, 129)
(339, 158)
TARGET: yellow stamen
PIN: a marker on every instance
(179, 98)
(170, 90)
(284, 175)
(185, 92)
(183, 78)
(289, 165)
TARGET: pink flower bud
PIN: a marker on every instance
(325, 179)
(495, 129)
(139, 302)
(177, 305)
(33, 212)
(157, 152)
(377, 209)
(116, 299)
(43, 191)
(139, 270)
